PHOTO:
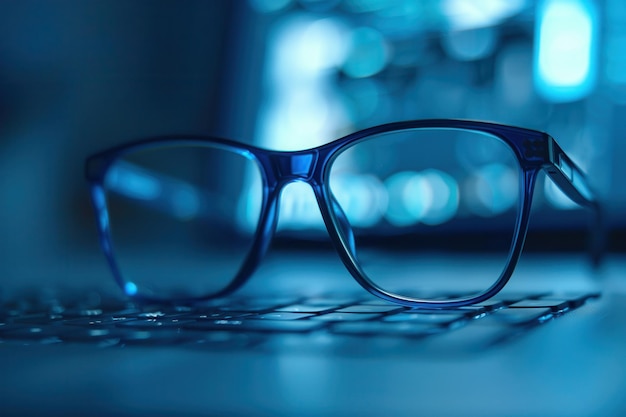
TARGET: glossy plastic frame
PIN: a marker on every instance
(535, 151)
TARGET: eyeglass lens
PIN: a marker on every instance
(183, 218)
(433, 193)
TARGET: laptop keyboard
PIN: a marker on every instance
(244, 322)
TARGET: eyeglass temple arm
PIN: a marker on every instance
(572, 181)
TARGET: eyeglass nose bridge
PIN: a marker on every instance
(293, 166)
(281, 168)
(289, 167)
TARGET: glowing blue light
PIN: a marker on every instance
(130, 288)
(305, 111)
(132, 181)
(464, 14)
(445, 198)
(249, 205)
(301, 102)
(366, 6)
(298, 209)
(495, 189)
(614, 44)
(409, 198)
(269, 6)
(368, 53)
(185, 203)
(565, 49)
(98, 197)
(363, 198)
(430, 197)
(302, 107)
(470, 45)
(556, 197)
(302, 48)
(615, 59)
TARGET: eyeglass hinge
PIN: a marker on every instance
(536, 149)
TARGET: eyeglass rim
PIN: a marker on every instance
(520, 139)
(534, 150)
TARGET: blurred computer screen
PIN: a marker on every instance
(306, 72)
(77, 77)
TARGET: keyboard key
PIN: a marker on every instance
(38, 318)
(281, 316)
(332, 300)
(256, 325)
(218, 315)
(360, 308)
(518, 316)
(491, 304)
(555, 305)
(577, 300)
(442, 317)
(345, 317)
(242, 308)
(104, 320)
(82, 312)
(256, 304)
(155, 323)
(512, 297)
(308, 308)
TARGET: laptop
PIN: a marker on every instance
(559, 352)
(302, 337)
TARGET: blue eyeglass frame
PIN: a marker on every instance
(534, 150)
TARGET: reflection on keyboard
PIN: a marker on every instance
(239, 322)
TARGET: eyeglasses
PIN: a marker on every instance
(189, 218)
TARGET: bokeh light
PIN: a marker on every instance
(363, 198)
(493, 189)
(367, 54)
(565, 52)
